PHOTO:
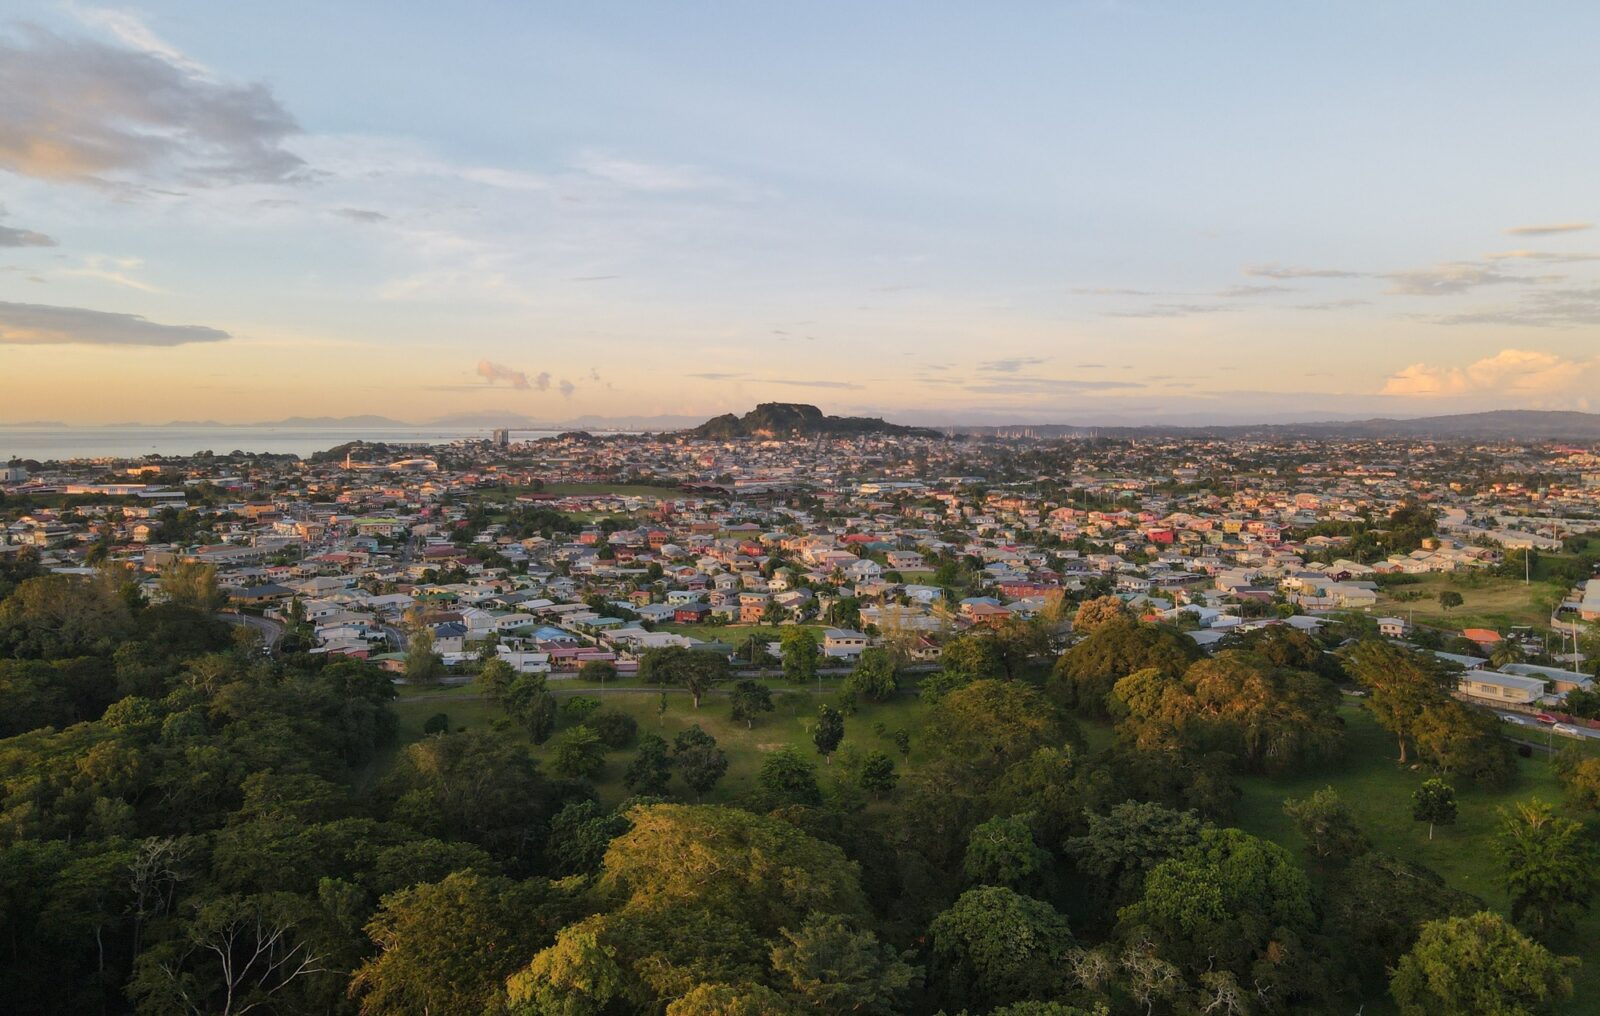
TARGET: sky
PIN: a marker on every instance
(1082, 212)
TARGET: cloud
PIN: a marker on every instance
(31, 324)
(494, 373)
(10, 237)
(643, 176)
(1238, 291)
(81, 110)
(1171, 310)
(1455, 277)
(1011, 365)
(1049, 386)
(1510, 370)
(1331, 304)
(361, 215)
(1549, 229)
(1541, 255)
(1564, 307)
(1275, 271)
(541, 381)
(1112, 291)
(566, 388)
(799, 383)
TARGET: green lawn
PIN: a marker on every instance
(1496, 603)
(788, 724)
(620, 489)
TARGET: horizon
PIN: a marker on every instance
(1092, 214)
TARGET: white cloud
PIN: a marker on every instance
(1549, 229)
(1517, 371)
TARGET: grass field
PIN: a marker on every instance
(620, 489)
(789, 723)
(1497, 603)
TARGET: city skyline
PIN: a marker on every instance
(1085, 213)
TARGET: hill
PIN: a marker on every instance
(1495, 425)
(794, 419)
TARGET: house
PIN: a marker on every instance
(842, 643)
(691, 613)
(905, 560)
(1393, 627)
(1504, 689)
(1484, 637)
(1559, 681)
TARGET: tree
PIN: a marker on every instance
(1376, 905)
(438, 723)
(616, 729)
(1400, 684)
(1002, 852)
(577, 753)
(482, 788)
(988, 726)
(1220, 905)
(1458, 740)
(234, 955)
(789, 777)
(1449, 599)
(1122, 846)
(1326, 823)
(878, 776)
(696, 894)
(873, 677)
(1463, 966)
(799, 653)
(828, 732)
(650, 769)
(971, 656)
(902, 742)
(423, 665)
(495, 679)
(837, 970)
(599, 671)
(447, 947)
(1549, 867)
(530, 703)
(695, 671)
(750, 699)
(192, 585)
(1094, 614)
(698, 760)
(994, 946)
(1084, 675)
(1434, 803)
(58, 616)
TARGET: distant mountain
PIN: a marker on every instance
(334, 421)
(794, 419)
(1495, 425)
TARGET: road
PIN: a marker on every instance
(1531, 726)
(271, 631)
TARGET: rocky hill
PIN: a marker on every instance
(793, 419)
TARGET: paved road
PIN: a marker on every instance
(1529, 727)
(271, 631)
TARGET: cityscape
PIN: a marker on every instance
(1081, 509)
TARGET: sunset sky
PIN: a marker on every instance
(1056, 212)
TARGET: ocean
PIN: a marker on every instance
(46, 443)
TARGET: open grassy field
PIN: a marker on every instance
(789, 723)
(1496, 603)
(620, 489)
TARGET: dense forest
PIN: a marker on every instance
(188, 825)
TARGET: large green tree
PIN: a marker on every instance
(1480, 964)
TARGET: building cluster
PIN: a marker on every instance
(554, 553)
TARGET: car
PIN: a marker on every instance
(1566, 731)
(1508, 718)
(1545, 718)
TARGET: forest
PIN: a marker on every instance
(189, 825)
